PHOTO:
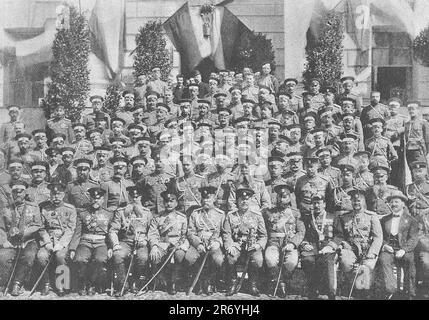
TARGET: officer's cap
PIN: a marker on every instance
(348, 99)
(283, 188)
(114, 141)
(295, 156)
(290, 112)
(376, 168)
(347, 116)
(18, 185)
(350, 137)
(275, 159)
(326, 90)
(356, 191)
(67, 150)
(265, 87)
(82, 162)
(58, 136)
(204, 101)
(325, 112)
(78, 125)
(143, 140)
(119, 161)
(242, 119)
(311, 159)
(100, 117)
(347, 168)
(418, 165)
(377, 120)
(214, 79)
(306, 93)
(134, 126)
(274, 123)
(96, 192)
(92, 131)
(163, 106)
(347, 78)
(15, 163)
(105, 149)
(394, 99)
(13, 108)
(169, 194)
(414, 102)
(51, 152)
(56, 187)
(314, 80)
(290, 80)
(96, 96)
(317, 131)
(234, 88)
(244, 193)
(361, 153)
(40, 165)
(138, 160)
(220, 94)
(127, 92)
(317, 197)
(219, 110)
(207, 190)
(323, 151)
(293, 126)
(137, 109)
(38, 132)
(310, 115)
(185, 100)
(152, 94)
(23, 136)
(118, 120)
(204, 124)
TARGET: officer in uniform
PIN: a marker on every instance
(167, 232)
(375, 110)
(339, 202)
(285, 231)
(124, 111)
(326, 169)
(309, 184)
(317, 100)
(204, 235)
(7, 130)
(41, 141)
(360, 237)
(294, 173)
(244, 234)
(347, 150)
(59, 124)
(380, 148)
(38, 191)
(418, 191)
(376, 196)
(59, 223)
(23, 152)
(162, 112)
(66, 172)
(103, 171)
(128, 234)
(81, 146)
(89, 243)
(295, 100)
(77, 190)
(318, 249)
(97, 104)
(348, 83)
(276, 167)
(416, 135)
(400, 234)
(364, 178)
(116, 188)
(188, 186)
(20, 224)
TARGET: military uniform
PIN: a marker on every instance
(339, 201)
(283, 226)
(82, 148)
(65, 174)
(38, 154)
(89, 242)
(223, 184)
(372, 112)
(318, 101)
(333, 174)
(271, 184)
(188, 189)
(59, 223)
(38, 193)
(319, 268)
(418, 194)
(355, 97)
(116, 192)
(63, 126)
(129, 230)
(364, 180)
(416, 140)
(260, 200)
(77, 193)
(152, 186)
(376, 198)
(21, 221)
(381, 149)
(101, 174)
(306, 187)
(290, 179)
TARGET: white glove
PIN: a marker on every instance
(388, 248)
(326, 250)
(400, 253)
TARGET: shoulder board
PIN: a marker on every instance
(370, 212)
(335, 169)
(324, 177)
(295, 211)
(198, 176)
(232, 212)
(256, 212)
(181, 214)
(68, 205)
(392, 187)
(346, 213)
(218, 210)
(258, 180)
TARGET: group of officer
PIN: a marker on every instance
(202, 186)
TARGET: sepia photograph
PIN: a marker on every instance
(219, 150)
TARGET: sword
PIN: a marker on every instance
(41, 275)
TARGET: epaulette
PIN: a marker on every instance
(256, 212)
(296, 212)
(218, 210)
(31, 203)
(179, 213)
(324, 177)
(199, 176)
(370, 212)
(335, 168)
(389, 186)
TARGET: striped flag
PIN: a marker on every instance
(185, 30)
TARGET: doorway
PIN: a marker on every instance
(392, 82)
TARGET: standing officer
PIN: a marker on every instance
(89, 243)
(374, 111)
(244, 234)
(59, 124)
(360, 236)
(309, 184)
(348, 83)
(59, 223)
(7, 130)
(318, 249)
(380, 148)
(204, 234)
(167, 232)
(103, 171)
(400, 234)
(285, 231)
(376, 195)
(276, 169)
(20, 223)
(128, 234)
(76, 191)
(339, 202)
(418, 191)
(38, 191)
(41, 145)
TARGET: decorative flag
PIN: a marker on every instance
(188, 32)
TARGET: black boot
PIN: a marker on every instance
(253, 281)
(16, 289)
(120, 279)
(174, 275)
(91, 291)
(46, 289)
(282, 290)
(231, 276)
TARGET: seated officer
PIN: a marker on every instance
(128, 235)
(204, 235)
(19, 226)
(168, 232)
(285, 231)
(318, 249)
(360, 236)
(59, 223)
(89, 245)
(244, 234)
(400, 234)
